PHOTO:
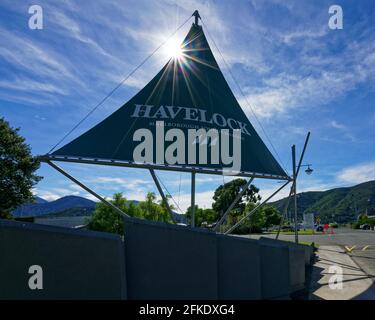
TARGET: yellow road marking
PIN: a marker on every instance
(349, 249)
(365, 248)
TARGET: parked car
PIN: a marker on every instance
(365, 226)
(319, 228)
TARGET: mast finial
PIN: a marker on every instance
(197, 16)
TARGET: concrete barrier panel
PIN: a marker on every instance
(169, 262)
(75, 264)
(296, 262)
(239, 268)
(308, 250)
(275, 270)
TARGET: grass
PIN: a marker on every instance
(307, 232)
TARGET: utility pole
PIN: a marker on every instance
(192, 199)
(295, 192)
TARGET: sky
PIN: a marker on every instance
(296, 75)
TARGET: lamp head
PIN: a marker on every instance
(309, 171)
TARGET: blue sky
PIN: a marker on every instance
(297, 74)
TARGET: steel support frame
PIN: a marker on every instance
(293, 188)
(192, 206)
(295, 193)
(158, 186)
(70, 177)
(256, 208)
(239, 196)
(116, 163)
(285, 211)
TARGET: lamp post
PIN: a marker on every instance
(308, 171)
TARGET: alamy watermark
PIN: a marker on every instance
(182, 150)
(36, 19)
(36, 280)
(336, 20)
(335, 281)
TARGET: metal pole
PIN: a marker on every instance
(295, 192)
(87, 189)
(192, 199)
(161, 193)
(256, 208)
(303, 152)
(295, 180)
(285, 212)
(239, 196)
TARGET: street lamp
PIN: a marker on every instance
(308, 171)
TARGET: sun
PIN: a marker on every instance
(173, 49)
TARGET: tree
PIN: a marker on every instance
(262, 218)
(202, 215)
(154, 211)
(272, 216)
(17, 170)
(253, 224)
(107, 219)
(163, 203)
(227, 193)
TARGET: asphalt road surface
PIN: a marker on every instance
(361, 244)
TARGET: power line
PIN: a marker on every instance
(169, 193)
(118, 85)
(244, 96)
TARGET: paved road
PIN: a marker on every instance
(344, 237)
(341, 237)
(356, 284)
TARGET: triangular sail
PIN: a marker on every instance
(190, 92)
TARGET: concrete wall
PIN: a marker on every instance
(308, 250)
(155, 261)
(275, 270)
(75, 264)
(170, 262)
(296, 256)
(239, 268)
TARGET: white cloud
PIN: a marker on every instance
(128, 183)
(337, 125)
(358, 173)
(25, 84)
(27, 54)
(290, 38)
(202, 199)
(74, 30)
(283, 93)
(47, 195)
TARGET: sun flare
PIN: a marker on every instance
(173, 49)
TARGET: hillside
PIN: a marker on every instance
(70, 206)
(43, 207)
(339, 204)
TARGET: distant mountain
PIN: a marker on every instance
(71, 212)
(39, 200)
(179, 218)
(42, 207)
(340, 204)
(70, 206)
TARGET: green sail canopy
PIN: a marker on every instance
(189, 92)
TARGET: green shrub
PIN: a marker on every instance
(334, 225)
